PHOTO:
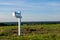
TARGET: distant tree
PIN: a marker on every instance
(2, 24)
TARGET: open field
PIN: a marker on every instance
(31, 32)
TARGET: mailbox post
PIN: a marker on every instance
(17, 14)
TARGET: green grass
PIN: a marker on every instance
(31, 32)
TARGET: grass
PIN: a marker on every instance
(31, 32)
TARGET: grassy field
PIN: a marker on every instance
(31, 32)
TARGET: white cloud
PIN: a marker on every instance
(41, 17)
(32, 11)
(6, 3)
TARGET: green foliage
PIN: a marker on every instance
(31, 32)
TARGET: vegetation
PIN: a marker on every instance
(31, 32)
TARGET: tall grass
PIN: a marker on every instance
(31, 32)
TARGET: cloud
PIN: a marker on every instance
(31, 6)
(41, 17)
(7, 18)
(31, 11)
(6, 3)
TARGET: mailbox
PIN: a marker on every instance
(17, 14)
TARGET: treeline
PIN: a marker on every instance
(7, 24)
(27, 23)
(45, 22)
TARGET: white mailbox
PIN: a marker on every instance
(17, 14)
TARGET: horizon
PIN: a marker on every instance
(31, 21)
(31, 10)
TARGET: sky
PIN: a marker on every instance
(31, 10)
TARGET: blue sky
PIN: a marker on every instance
(32, 10)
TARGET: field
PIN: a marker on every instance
(31, 32)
